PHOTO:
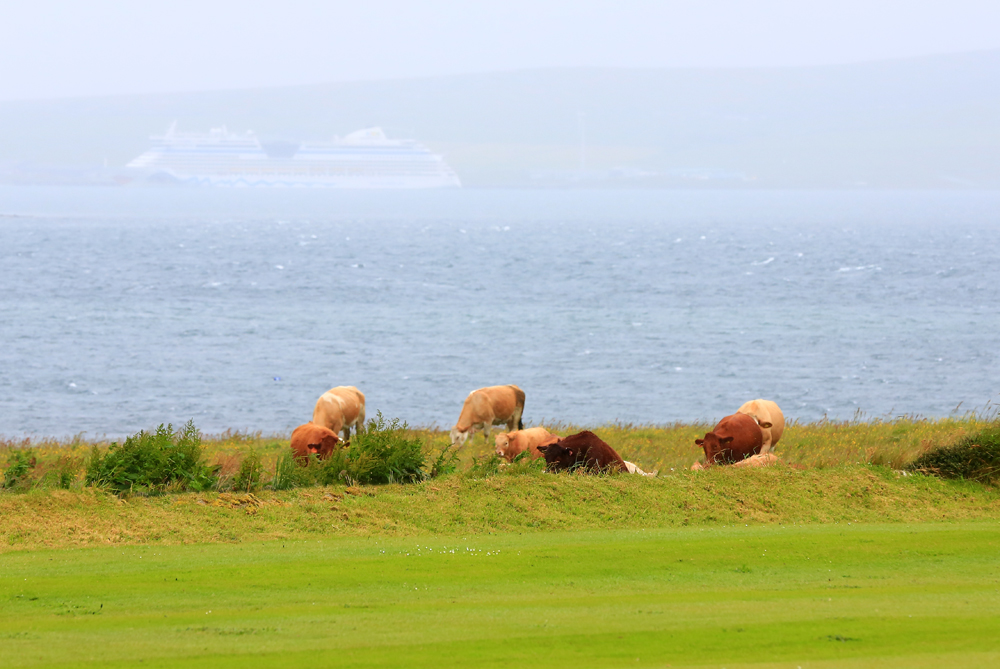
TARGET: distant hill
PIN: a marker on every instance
(927, 122)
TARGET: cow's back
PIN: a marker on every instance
(529, 440)
(489, 404)
(746, 434)
(340, 406)
(594, 453)
(766, 411)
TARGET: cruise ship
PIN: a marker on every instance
(362, 159)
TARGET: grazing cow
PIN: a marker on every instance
(511, 444)
(769, 418)
(340, 409)
(735, 438)
(312, 438)
(486, 407)
(633, 469)
(583, 449)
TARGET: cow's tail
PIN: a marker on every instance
(519, 403)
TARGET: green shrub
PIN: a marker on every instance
(976, 457)
(150, 462)
(248, 478)
(484, 467)
(445, 463)
(385, 452)
(19, 463)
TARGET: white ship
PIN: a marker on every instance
(362, 159)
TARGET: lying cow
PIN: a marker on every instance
(770, 419)
(340, 409)
(315, 439)
(734, 439)
(509, 445)
(486, 407)
(582, 450)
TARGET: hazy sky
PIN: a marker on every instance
(50, 48)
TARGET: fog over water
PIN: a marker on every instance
(125, 308)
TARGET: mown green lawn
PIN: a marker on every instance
(925, 595)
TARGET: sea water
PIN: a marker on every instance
(121, 309)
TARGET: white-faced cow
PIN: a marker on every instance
(486, 407)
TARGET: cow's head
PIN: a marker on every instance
(713, 446)
(558, 457)
(458, 438)
(502, 442)
(327, 445)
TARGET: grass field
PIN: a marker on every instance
(769, 596)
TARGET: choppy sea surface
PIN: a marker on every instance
(124, 308)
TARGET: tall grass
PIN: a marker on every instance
(390, 451)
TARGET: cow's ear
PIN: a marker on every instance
(699, 442)
(764, 424)
(570, 452)
(725, 440)
(542, 449)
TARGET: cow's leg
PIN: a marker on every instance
(766, 448)
(359, 424)
(486, 431)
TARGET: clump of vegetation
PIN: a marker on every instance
(152, 462)
(248, 478)
(445, 463)
(385, 452)
(288, 475)
(975, 457)
(19, 464)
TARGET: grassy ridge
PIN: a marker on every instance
(832, 595)
(524, 500)
(846, 474)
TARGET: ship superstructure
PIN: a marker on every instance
(362, 159)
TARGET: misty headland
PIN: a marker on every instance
(924, 122)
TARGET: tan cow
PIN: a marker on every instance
(770, 419)
(511, 444)
(340, 409)
(486, 407)
(759, 460)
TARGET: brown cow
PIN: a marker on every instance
(511, 444)
(769, 418)
(583, 449)
(486, 407)
(311, 438)
(735, 438)
(340, 409)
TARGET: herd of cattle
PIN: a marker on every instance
(744, 439)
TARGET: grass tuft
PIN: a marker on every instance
(975, 457)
